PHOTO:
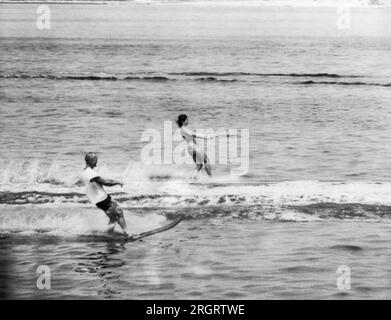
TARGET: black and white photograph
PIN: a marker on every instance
(225, 150)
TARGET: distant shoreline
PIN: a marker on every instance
(230, 3)
(59, 2)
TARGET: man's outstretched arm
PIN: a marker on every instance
(107, 182)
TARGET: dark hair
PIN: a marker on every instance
(181, 119)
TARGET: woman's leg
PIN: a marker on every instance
(197, 157)
(198, 169)
(208, 168)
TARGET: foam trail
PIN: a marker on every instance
(65, 223)
(174, 193)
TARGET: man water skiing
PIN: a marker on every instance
(97, 194)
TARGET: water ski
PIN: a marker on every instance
(172, 224)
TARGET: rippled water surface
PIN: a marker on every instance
(237, 260)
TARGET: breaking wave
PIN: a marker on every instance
(344, 83)
(32, 182)
(181, 194)
(203, 76)
(292, 75)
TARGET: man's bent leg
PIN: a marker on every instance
(116, 214)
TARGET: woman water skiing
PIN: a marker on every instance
(198, 155)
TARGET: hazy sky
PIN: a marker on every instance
(244, 2)
(183, 21)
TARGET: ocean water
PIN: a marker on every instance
(317, 195)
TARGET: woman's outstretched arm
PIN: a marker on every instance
(196, 135)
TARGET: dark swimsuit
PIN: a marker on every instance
(105, 204)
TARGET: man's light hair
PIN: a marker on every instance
(90, 156)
